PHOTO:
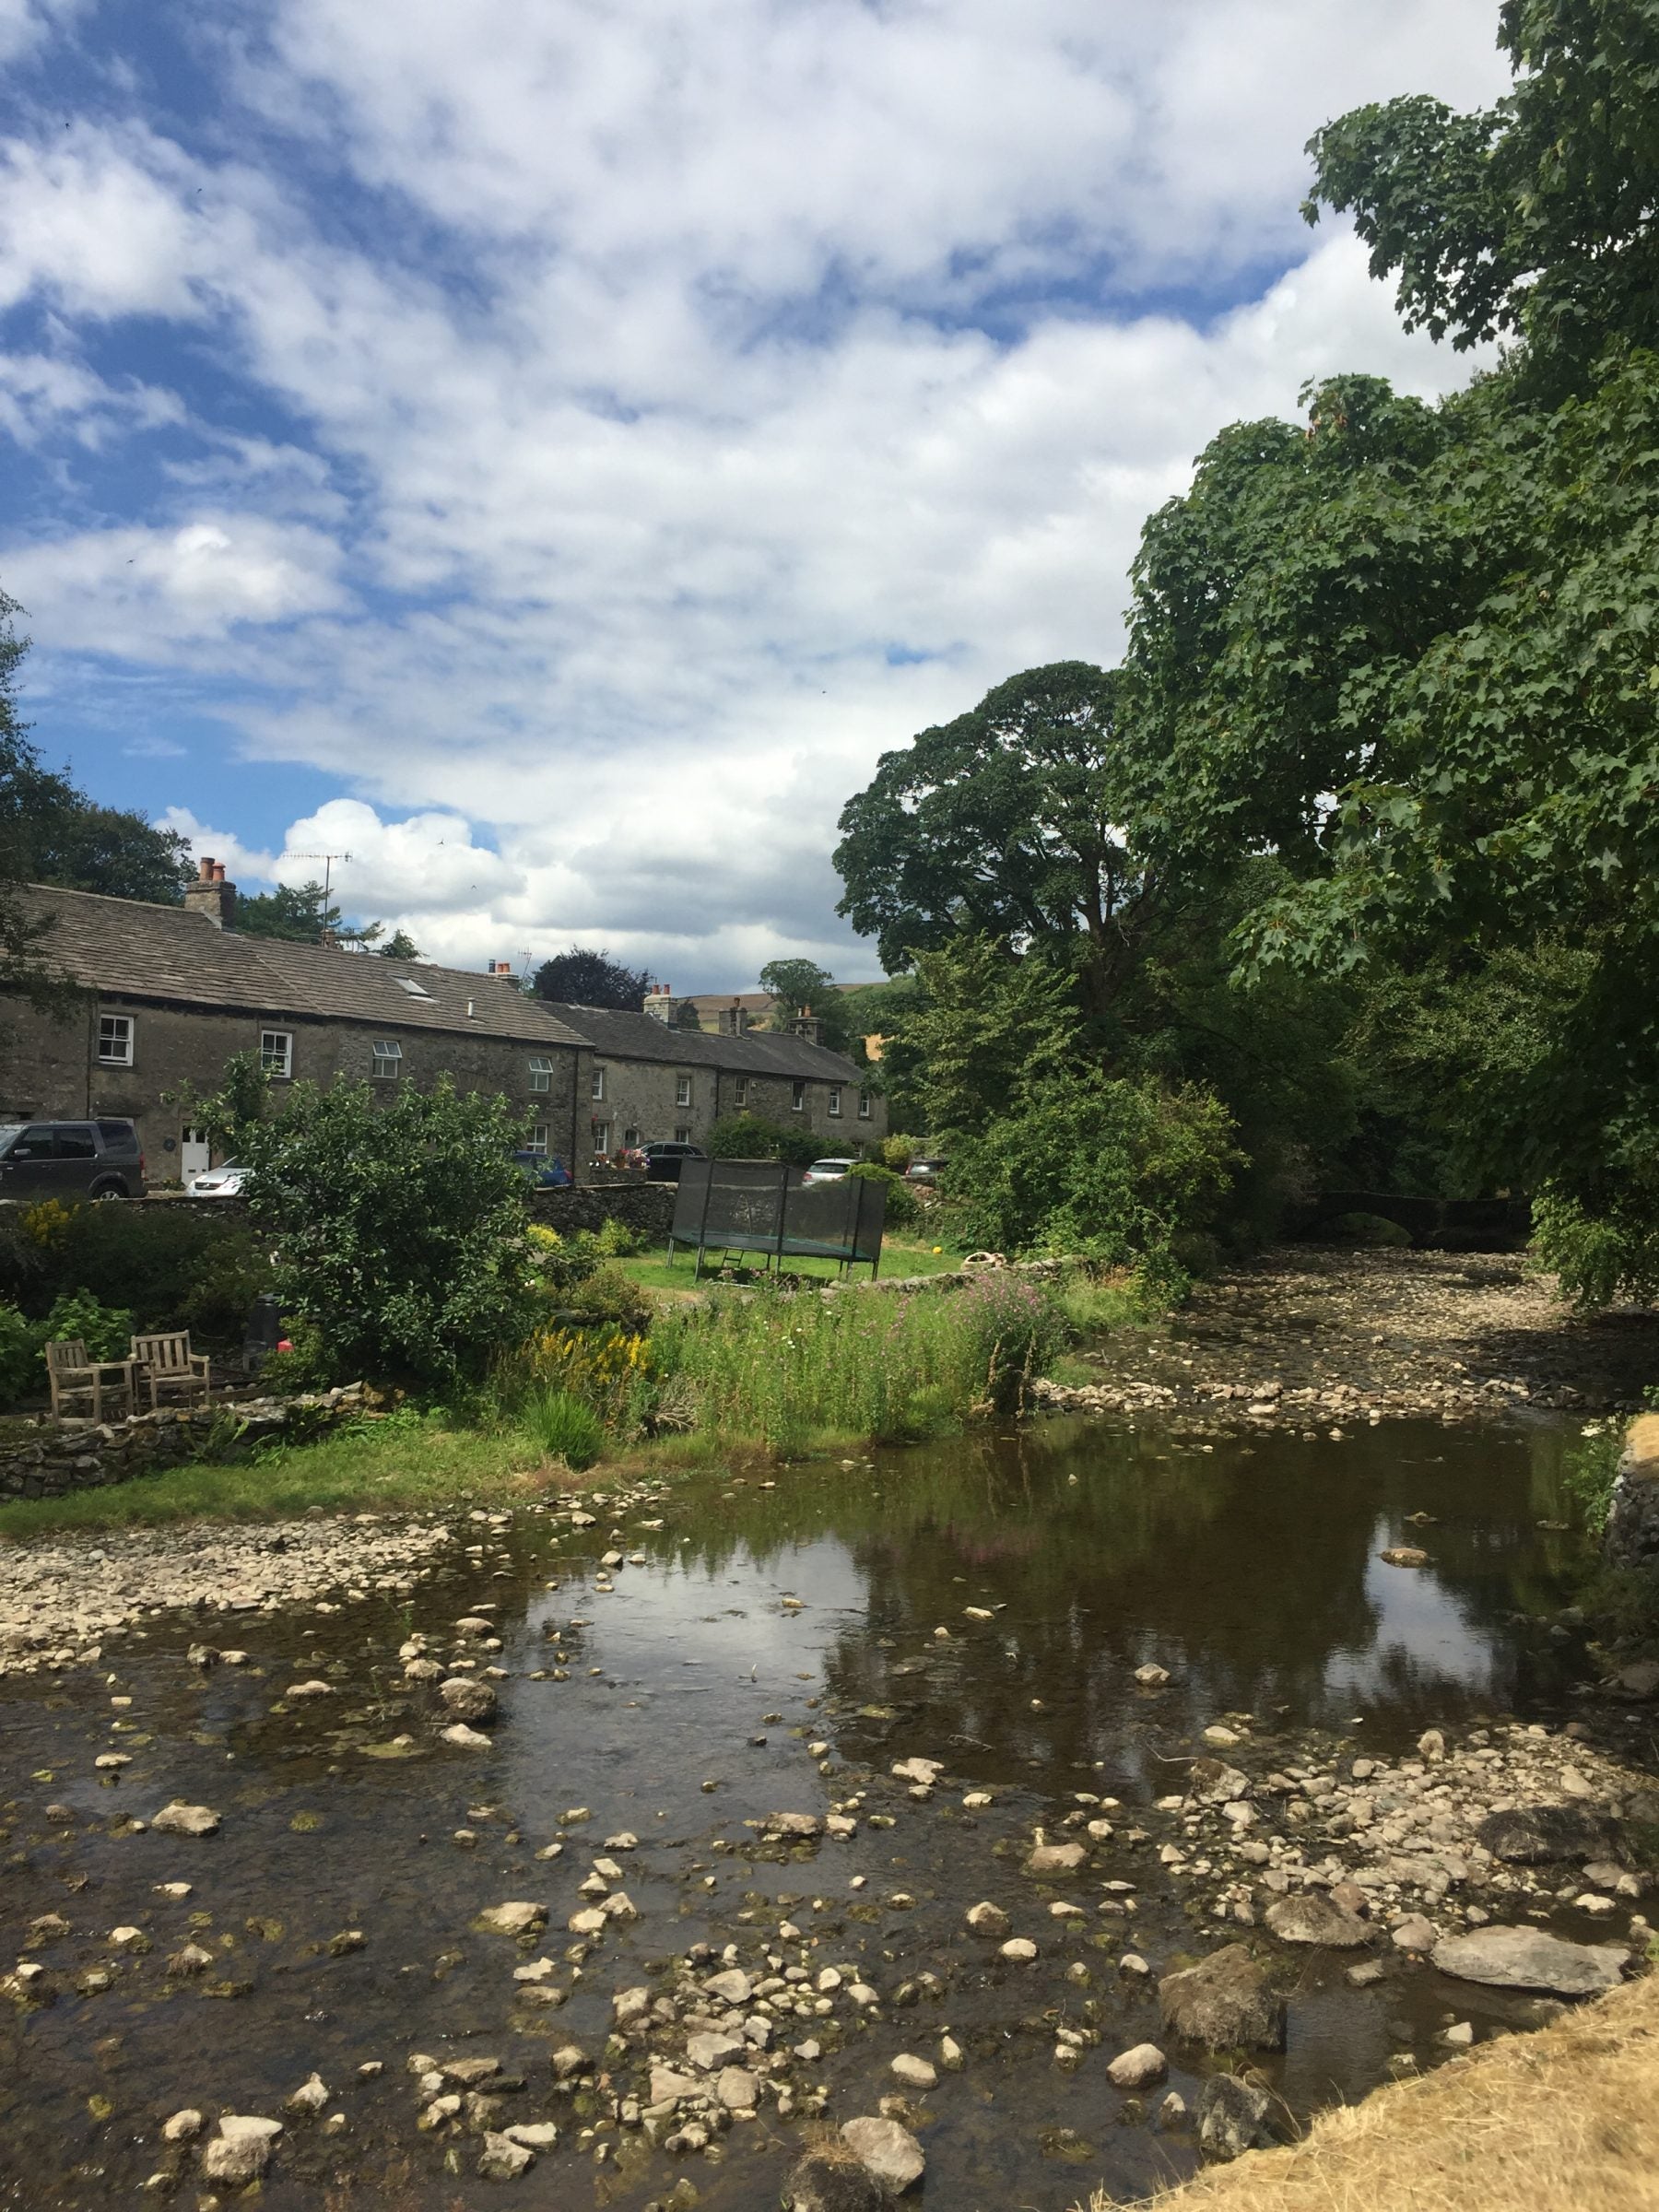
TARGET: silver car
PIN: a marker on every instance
(230, 1179)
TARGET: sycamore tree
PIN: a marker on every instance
(1413, 650)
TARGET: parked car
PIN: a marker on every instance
(70, 1160)
(546, 1169)
(925, 1171)
(228, 1180)
(826, 1170)
(663, 1161)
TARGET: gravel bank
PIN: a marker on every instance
(1313, 1336)
(59, 1599)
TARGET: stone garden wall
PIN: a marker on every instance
(53, 1458)
(636, 1203)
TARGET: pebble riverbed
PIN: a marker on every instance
(1001, 1818)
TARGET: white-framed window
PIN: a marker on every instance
(596, 1083)
(741, 1091)
(797, 1097)
(864, 1105)
(541, 1073)
(276, 1051)
(388, 1060)
(682, 1090)
(835, 1100)
(115, 1040)
(682, 1135)
(601, 1138)
(537, 1139)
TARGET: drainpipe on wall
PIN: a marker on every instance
(575, 1107)
(91, 1047)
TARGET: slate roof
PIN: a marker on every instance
(124, 947)
(641, 1036)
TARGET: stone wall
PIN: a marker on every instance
(58, 1457)
(1632, 1532)
(635, 1202)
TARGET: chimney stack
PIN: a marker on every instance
(210, 896)
(659, 1004)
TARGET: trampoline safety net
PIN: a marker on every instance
(763, 1205)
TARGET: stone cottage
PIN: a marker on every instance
(169, 993)
(649, 1078)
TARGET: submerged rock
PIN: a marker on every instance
(468, 1699)
(1225, 2003)
(1528, 1958)
(1531, 1834)
(1314, 1918)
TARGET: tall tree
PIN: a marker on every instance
(303, 915)
(800, 987)
(25, 968)
(583, 978)
(1007, 823)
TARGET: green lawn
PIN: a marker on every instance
(654, 1270)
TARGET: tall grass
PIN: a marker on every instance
(785, 1368)
(564, 1427)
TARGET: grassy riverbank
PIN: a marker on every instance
(1563, 2121)
(732, 1378)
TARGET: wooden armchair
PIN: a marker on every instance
(73, 1375)
(172, 1367)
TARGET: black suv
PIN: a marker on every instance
(70, 1160)
(663, 1161)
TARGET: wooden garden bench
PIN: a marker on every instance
(171, 1367)
(72, 1374)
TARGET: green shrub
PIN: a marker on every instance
(783, 1367)
(1611, 1253)
(903, 1212)
(20, 1368)
(1108, 1169)
(898, 1152)
(751, 1136)
(401, 1230)
(564, 1427)
(1591, 1468)
(106, 1331)
(173, 1266)
(614, 1240)
(1375, 1230)
(610, 1295)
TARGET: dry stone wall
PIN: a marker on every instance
(50, 1459)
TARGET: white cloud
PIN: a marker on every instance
(25, 24)
(139, 590)
(698, 454)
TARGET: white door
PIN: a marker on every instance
(196, 1155)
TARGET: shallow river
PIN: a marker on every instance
(763, 1620)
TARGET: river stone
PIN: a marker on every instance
(629, 2005)
(1405, 1554)
(888, 2153)
(180, 1820)
(710, 2051)
(1314, 1918)
(465, 1738)
(182, 2126)
(731, 1988)
(1213, 1782)
(468, 1699)
(668, 2087)
(514, 1919)
(1527, 1958)
(241, 2150)
(1232, 2117)
(1152, 1675)
(1138, 2068)
(1639, 1679)
(793, 1827)
(311, 2096)
(829, 2181)
(737, 2088)
(1056, 1858)
(1225, 2003)
(987, 1919)
(502, 2160)
(1417, 1932)
(914, 2073)
(1529, 1835)
(925, 1771)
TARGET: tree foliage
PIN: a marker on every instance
(581, 978)
(399, 1229)
(752, 1136)
(1005, 823)
(800, 987)
(304, 915)
(1532, 219)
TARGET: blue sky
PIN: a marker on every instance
(550, 448)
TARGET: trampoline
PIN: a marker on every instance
(763, 1206)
